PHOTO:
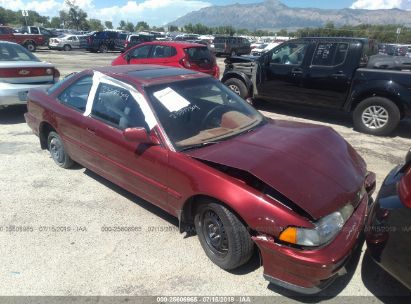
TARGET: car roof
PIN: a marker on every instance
(149, 74)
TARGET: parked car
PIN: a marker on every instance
(20, 71)
(105, 41)
(67, 42)
(29, 41)
(231, 46)
(178, 54)
(38, 30)
(389, 224)
(186, 37)
(264, 48)
(186, 143)
(135, 39)
(334, 73)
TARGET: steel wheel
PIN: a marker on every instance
(375, 117)
(56, 150)
(214, 232)
(235, 89)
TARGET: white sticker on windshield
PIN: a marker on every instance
(171, 99)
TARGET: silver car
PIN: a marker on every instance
(20, 71)
(66, 42)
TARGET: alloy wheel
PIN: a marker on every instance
(375, 117)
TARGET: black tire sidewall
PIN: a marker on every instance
(67, 48)
(394, 116)
(240, 85)
(230, 260)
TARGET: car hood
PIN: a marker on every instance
(309, 164)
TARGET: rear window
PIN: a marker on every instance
(122, 36)
(220, 39)
(199, 54)
(15, 52)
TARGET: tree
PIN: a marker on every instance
(95, 25)
(76, 16)
(129, 27)
(55, 22)
(122, 25)
(173, 28)
(142, 26)
(108, 24)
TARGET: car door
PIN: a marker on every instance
(328, 78)
(282, 73)
(75, 42)
(69, 115)
(163, 55)
(139, 168)
(140, 54)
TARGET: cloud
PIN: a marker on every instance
(154, 12)
(382, 4)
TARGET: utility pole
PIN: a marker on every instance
(398, 33)
(25, 14)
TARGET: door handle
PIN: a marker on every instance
(339, 75)
(91, 131)
(297, 71)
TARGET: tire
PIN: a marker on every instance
(67, 48)
(237, 86)
(57, 151)
(233, 247)
(30, 45)
(103, 48)
(377, 116)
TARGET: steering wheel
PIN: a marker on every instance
(212, 119)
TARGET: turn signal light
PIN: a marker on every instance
(289, 235)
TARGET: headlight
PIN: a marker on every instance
(325, 229)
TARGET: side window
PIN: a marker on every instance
(330, 54)
(141, 52)
(3, 30)
(34, 30)
(117, 107)
(75, 96)
(289, 53)
(163, 51)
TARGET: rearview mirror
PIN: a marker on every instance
(140, 135)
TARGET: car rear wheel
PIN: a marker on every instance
(103, 48)
(31, 46)
(237, 86)
(67, 48)
(376, 116)
(57, 151)
(223, 236)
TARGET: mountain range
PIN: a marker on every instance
(274, 15)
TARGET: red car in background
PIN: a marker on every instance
(185, 55)
(185, 142)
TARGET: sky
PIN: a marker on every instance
(160, 12)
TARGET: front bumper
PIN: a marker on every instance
(311, 270)
(16, 93)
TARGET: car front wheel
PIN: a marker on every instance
(223, 236)
(57, 151)
(376, 116)
(237, 86)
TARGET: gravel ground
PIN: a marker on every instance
(77, 258)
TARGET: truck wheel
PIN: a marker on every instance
(237, 86)
(376, 116)
(103, 48)
(31, 46)
(67, 47)
(223, 236)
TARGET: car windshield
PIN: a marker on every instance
(15, 52)
(201, 111)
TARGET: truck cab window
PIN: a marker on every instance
(289, 53)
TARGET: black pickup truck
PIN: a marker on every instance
(338, 73)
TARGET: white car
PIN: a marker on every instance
(20, 71)
(67, 42)
(264, 48)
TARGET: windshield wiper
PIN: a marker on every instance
(200, 145)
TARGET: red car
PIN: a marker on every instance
(186, 55)
(185, 142)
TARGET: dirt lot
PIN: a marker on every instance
(59, 245)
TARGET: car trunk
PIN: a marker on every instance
(26, 72)
(200, 59)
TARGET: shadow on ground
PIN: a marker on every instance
(12, 115)
(326, 116)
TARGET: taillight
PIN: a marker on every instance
(404, 188)
(56, 75)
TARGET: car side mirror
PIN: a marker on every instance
(141, 136)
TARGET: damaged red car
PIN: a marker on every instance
(186, 143)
